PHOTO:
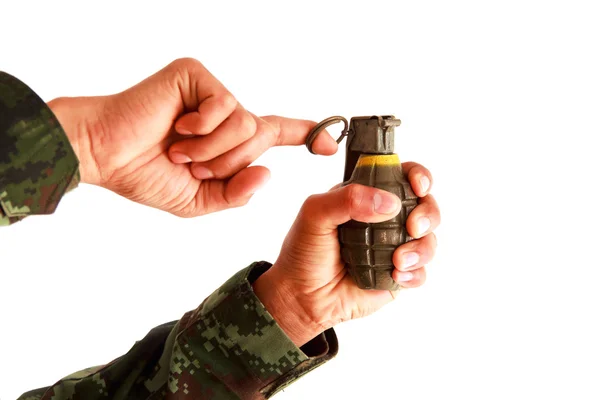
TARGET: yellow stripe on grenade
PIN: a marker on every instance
(369, 160)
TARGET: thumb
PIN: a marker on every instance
(323, 213)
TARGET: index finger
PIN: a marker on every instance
(293, 132)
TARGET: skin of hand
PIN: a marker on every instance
(178, 141)
(308, 290)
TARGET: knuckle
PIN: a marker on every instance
(198, 153)
(353, 197)
(180, 71)
(424, 209)
(272, 128)
(426, 250)
(181, 68)
(430, 210)
(304, 214)
(417, 170)
(411, 246)
(227, 100)
(244, 124)
(421, 170)
(308, 204)
(248, 128)
(272, 134)
(185, 63)
(224, 167)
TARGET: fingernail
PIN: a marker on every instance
(423, 225)
(180, 158)
(404, 276)
(409, 260)
(424, 183)
(201, 172)
(385, 204)
(182, 131)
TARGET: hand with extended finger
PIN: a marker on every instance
(178, 141)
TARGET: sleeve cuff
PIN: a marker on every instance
(245, 347)
(37, 163)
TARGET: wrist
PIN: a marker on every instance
(72, 113)
(284, 307)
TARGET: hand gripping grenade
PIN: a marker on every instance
(367, 248)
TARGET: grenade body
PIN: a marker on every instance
(367, 248)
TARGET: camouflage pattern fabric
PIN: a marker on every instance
(228, 348)
(37, 163)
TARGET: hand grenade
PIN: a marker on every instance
(367, 248)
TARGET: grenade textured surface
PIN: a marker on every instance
(367, 249)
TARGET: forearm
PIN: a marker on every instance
(230, 347)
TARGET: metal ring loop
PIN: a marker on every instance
(322, 125)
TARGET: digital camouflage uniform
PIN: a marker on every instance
(230, 347)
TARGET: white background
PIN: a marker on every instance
(500, 100)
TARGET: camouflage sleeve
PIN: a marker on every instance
(230, 347)
(37, 163)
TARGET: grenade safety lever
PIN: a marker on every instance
(367, 248)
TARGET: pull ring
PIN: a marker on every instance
(314, 132)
